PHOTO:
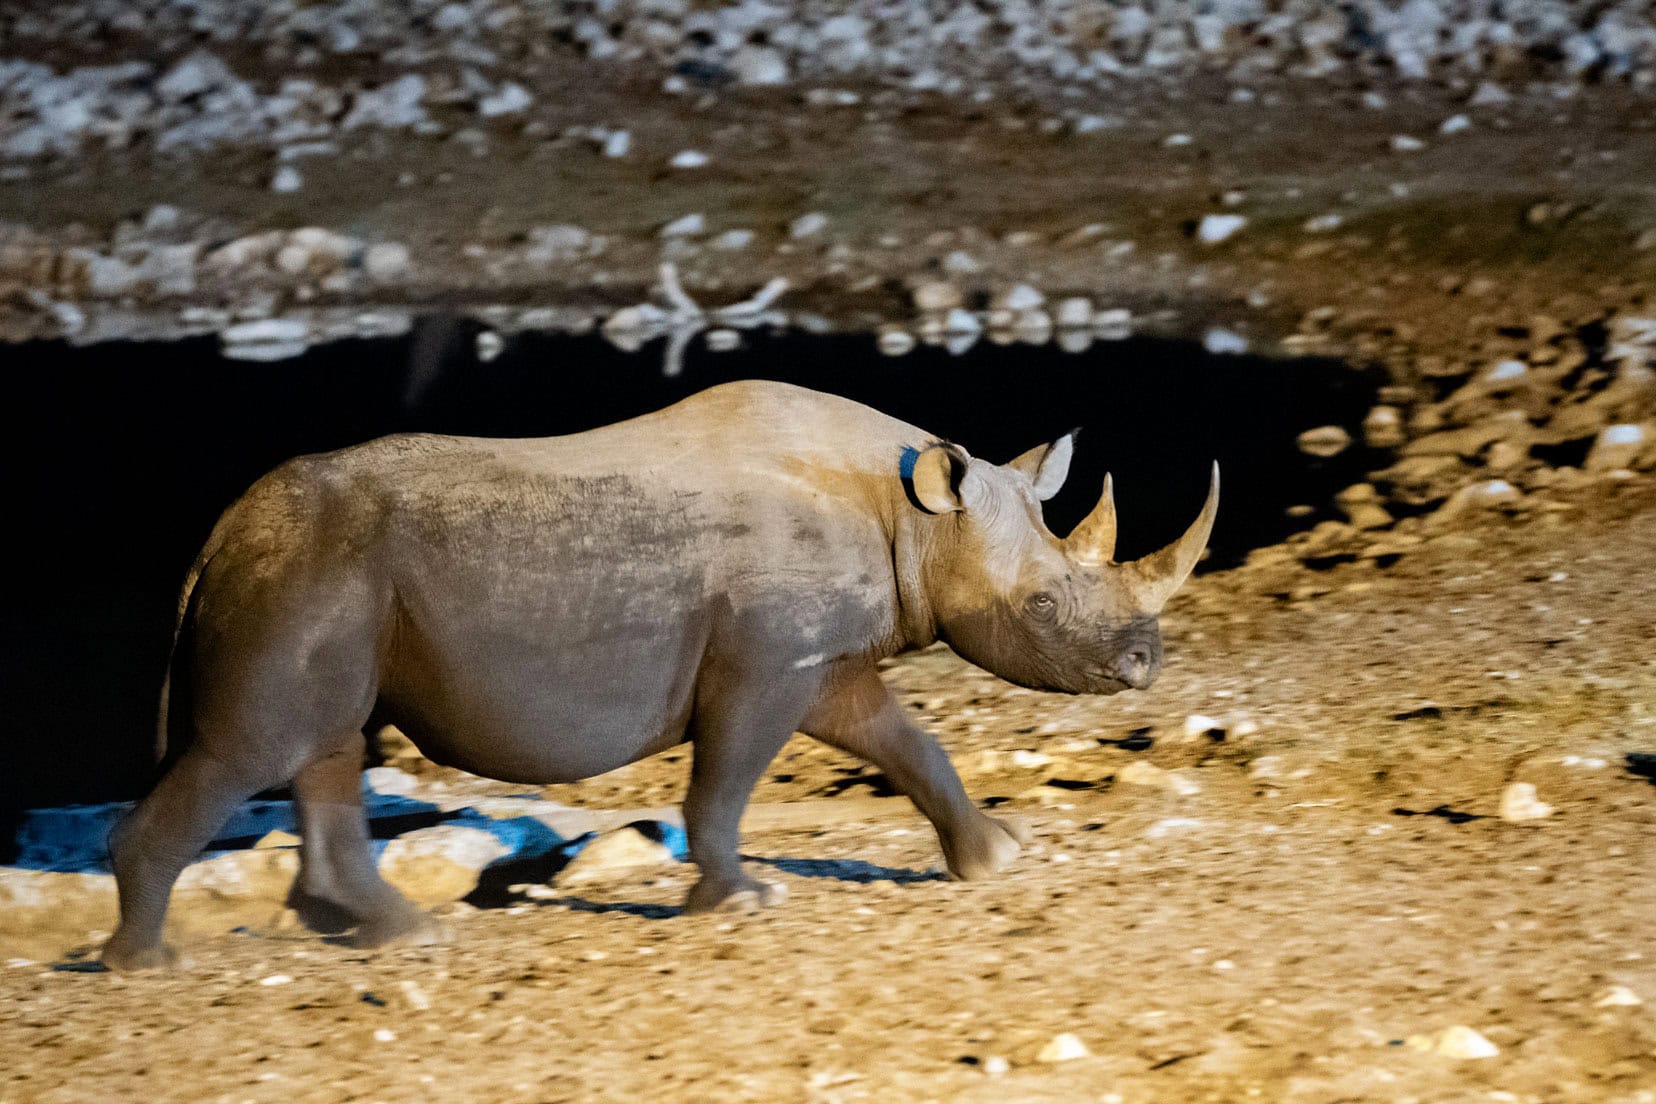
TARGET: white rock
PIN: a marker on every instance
(1219, 342)
(760, 65)
(621, 849)
(1200, 724)
(387, 262)
(937, 296)
(1214, 229)
(894, 341)
(1030, 760)
(1322, 224)
(1454, 124)
(265, 330)
(1489, 94)
(1616, 447)
(723, 340)
(489, 345)
(995, 1065)
(1324, 441)
(1404, 143)
(390, 780)
(1073, 313)
(960, 321)
(395, 105)
(437, 865)
(276, 979)
(686, 226)
(689, 159)
(1063, 1048)
(384, 1035)
(1383, 427)
(1113, 324)
(961, 263)
(1143, 774)
(1618, 996)
(414, 995)
(1519, 803)
(1018, 297)
(1033, 327)
(262, 874)
(286, 180)
(808, 225)
(1455, 1042)
(510, 99)
(1506, 371)
(618, 143)
(733, 240)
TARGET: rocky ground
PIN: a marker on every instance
(1383, 829)
(1303, 867)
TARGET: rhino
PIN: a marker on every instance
(724, 572)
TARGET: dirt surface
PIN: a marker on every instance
(1332, 890)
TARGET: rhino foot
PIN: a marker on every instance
(988, 848)
(723, 895)
(412, 929)
(126, 960)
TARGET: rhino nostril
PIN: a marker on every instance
(1136, 666)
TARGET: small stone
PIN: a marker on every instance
(1454, 1042)
(1383, 427)
(1324, 441)
(685, 226)
(1618, 996)
(1063, 1048)
(1113, 324)
(1219, 341)
(937, 296)
(510, 99)
(723, 340)
(621, 849)
(759, 65)
(1454, 124)
(414, 995)
(1199, 724)
(1322, 224)
(1074, 313)
(618, 143)
(275, 979)
(489, 345)
(995, 1065)
(387, 262)
(689, 159)
(1489, 94)
(809, 225)
(895, 342)
(1616, 447)
(732, 241)
(1519, 803)
(1019, 297)
(286, 180)
(1213, 229)
(961, 321)
(1404, 143)
(384, 1035)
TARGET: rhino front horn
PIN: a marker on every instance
(1161, 573)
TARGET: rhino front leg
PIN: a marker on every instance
(738, 727)
(862, 717)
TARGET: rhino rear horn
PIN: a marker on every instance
(1161, 573)
(1093, 540)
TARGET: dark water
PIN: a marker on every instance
(120, 457)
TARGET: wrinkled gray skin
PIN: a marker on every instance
(726, 571)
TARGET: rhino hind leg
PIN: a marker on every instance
(339, 887)
(861, 717)
(162, 835)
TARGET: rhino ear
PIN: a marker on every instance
(939, 479)
(1048, 465)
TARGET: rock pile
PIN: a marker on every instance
(464, 54)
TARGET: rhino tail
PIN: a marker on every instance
(186, 599)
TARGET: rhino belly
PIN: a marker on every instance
(533, 704)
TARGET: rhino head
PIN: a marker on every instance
(1042, 612)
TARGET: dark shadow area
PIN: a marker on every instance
(849, 870)
(121, 456)
(647, 912)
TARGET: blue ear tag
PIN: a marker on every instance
(905, 466)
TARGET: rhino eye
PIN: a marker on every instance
(1041, 604)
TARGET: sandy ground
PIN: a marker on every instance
(1297, 925)
(1293, 928)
